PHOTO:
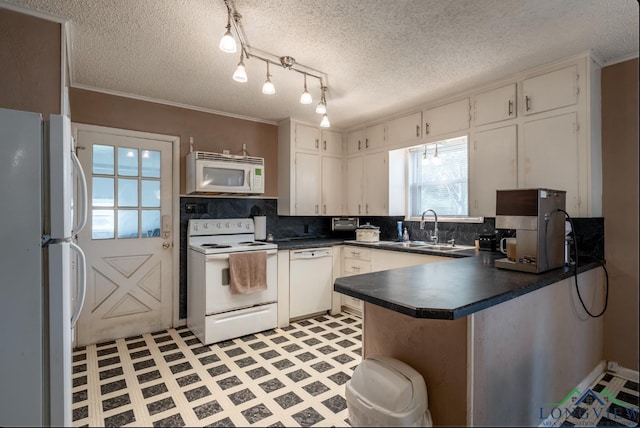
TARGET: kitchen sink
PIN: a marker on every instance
(422, 245)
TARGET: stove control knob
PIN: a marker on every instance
(239, 224)
(247, 226)
(206, 225)
(227, 225)
(195, 227)
(218, 225)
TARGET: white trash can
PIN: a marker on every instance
(386, 392)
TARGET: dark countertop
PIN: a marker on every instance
(450, 289)
(300, 243)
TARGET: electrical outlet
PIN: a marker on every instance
(612, 366)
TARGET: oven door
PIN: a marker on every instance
(219, 297)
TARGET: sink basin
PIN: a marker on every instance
(423, 245)
(412, 244)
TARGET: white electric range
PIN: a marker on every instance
(214, 312)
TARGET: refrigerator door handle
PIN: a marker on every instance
(82, 286)
(83, 202)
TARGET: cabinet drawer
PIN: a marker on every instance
(352, 302)
(357, 253)
(356, 266)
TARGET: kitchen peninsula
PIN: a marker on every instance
(494, 346)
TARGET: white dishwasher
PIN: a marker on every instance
(310, 275)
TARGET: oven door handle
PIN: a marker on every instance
(225, 256)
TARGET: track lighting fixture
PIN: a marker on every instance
(228, 44)
(268, 87)
(240, 75)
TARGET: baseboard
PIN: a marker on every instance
(613, 367)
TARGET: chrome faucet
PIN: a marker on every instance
(434, 236)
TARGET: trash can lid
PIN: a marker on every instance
(389, 384)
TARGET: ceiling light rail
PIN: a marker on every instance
(228, 44)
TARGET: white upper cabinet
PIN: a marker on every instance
(331, 142)
(307, 184)
(374, 137)
(370, 138)
(550, 158)
(355, 185)
(405, 130)
(332, 186)
(495, 105)
(551, 90)
(494, 166)
(307, 137)
(447, 118)
(310, 170)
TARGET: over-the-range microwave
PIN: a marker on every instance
(224, 173)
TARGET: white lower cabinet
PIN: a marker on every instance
(359, 260)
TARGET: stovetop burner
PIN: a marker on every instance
(216, 246)
(251, 243)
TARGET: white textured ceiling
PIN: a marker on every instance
(381, 56)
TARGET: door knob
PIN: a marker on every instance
(166, 244)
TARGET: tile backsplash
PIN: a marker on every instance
(589, 231)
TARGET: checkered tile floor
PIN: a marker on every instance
(611, 400)
(293, 376)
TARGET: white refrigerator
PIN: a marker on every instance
(42, 207)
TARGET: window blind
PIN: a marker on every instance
(444, 187)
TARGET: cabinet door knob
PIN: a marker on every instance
(417, 130)
(317, 143)
(426, 128)
(366, 208)
(527, 102)
(325, 145)
(359, 209)
(366, 143)
(359, 144)
(510, 108)
(316, 209)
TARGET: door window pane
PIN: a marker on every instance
(150, 193)
(102, 224)
(103, 193)
(150, 223)
(151, 163)
(102, 159)
(127, 192)
(128, 224)
(127, 161)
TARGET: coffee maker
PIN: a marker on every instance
(539, 226)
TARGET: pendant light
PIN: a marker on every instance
(436, 159)
(227, 42)
(268, 87)
(240, 75)
(321, 108)
(324, 123)
(305, 98)
(425, 159)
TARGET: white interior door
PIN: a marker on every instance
(128, 237)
